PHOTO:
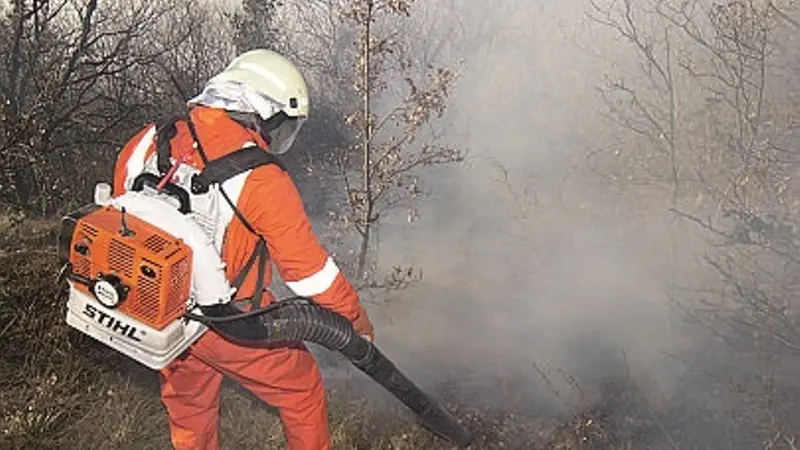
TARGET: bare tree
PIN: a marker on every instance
(205, 41)
(68, 89)
(360, 60)
(389, 153)
(697, 104)
(706, 106)
(254, 26)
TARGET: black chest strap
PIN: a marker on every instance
(240, 161)
(166, 129)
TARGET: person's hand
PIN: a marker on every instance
(363, 326)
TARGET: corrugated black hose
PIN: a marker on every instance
(300, 319)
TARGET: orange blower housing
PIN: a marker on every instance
(150, 269)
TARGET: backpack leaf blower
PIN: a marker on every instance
(147, 281)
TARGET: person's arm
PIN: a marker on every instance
(274, 206)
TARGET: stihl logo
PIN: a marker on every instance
(111, 323)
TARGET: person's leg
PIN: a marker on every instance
(288, 378)
(190, 392)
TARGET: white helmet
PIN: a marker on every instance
(265, 83)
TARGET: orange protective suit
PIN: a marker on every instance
(286, 377)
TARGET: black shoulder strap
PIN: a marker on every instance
(221, 169)
(165, 131)
(228, 166)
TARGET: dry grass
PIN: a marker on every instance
(18, 233)
(63, 390)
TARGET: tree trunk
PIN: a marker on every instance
(362, 254)
(366, 147)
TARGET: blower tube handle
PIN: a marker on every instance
(151, 180)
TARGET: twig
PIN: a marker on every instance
(551, 386)
(10, 322)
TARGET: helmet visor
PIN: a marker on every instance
(282, 137)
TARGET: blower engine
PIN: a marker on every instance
(133, 285)
(129, 283)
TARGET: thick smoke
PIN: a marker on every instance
(525, 260)
(529, 259)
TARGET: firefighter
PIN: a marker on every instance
(259, 99)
